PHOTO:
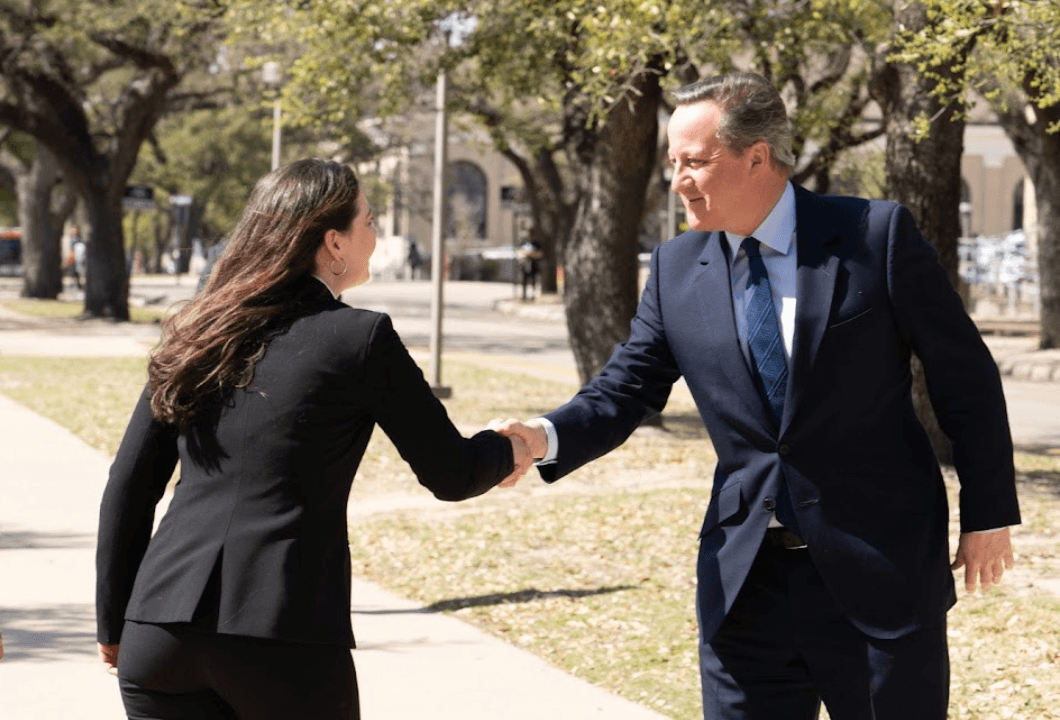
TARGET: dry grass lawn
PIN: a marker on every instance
(596, 574)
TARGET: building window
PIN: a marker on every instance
(467, 191)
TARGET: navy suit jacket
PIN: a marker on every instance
(255, 537)
(864, 481)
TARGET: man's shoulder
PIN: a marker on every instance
(846, 204)
(864, 215)
(690, 242)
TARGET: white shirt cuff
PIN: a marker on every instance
(553, 441)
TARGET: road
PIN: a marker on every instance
(534, 341)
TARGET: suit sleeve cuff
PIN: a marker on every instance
(984, 532)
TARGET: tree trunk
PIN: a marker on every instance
(106, 280)
(613, 162)
(1040, 152)
(554, 229)
(1047, 197)
(41, 229)
(924, 176)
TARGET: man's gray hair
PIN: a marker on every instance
(752, 110)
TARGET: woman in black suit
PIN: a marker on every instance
(266, 388)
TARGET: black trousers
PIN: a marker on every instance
(173, 672)
(785, 647)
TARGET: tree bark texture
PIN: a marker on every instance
(1040, 152)
(925, 176)
(613, 163)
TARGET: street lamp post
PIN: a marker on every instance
(270, 75)
(434, 368)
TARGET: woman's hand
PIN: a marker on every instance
(109, 655)
(523, 459)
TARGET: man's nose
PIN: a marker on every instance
(677, 180)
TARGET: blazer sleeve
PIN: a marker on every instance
(962, 378)
(634, 385)
(142, 467)
(446, 463)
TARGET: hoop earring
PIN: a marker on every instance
(331, 267)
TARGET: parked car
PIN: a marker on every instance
(10, 251)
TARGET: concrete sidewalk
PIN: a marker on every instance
(410, 663)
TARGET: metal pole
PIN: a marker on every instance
(437, 240)
(276, 114)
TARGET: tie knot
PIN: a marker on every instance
(751, 247)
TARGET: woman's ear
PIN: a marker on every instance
(331, 242)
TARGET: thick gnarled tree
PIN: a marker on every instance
(89, 80)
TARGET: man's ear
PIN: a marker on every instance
(758, 154)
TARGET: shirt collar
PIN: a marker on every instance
(326, 285)
(776, 230)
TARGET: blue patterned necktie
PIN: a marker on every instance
(763, 333)
(767, 353)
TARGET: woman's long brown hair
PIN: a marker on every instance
(211, 345)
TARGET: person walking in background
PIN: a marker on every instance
(529, 266)
(415, 260)
(77, 260)
(266, 388)
(823, 570)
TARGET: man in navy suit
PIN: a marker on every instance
(824, 570)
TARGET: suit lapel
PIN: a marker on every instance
(817, 266)
(714, 285)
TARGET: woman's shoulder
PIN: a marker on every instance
(340, 316)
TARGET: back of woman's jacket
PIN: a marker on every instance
(255, 538)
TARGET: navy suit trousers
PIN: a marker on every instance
(785, 647)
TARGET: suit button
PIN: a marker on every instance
(784, 449)
(769, 504)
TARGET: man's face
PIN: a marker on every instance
(714, 184)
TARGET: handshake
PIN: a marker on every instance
(529, 444)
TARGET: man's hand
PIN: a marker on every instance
(109, 655)
(529, 436)
(532, 433)
(984, 557)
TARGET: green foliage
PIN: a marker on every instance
(213, 155)
(1014, 45)
(530, 62)
(101, 50)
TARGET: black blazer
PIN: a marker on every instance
(255, 537)
(858, 465)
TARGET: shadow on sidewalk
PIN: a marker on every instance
(519, 596)
(48, 633)
(32, 540)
